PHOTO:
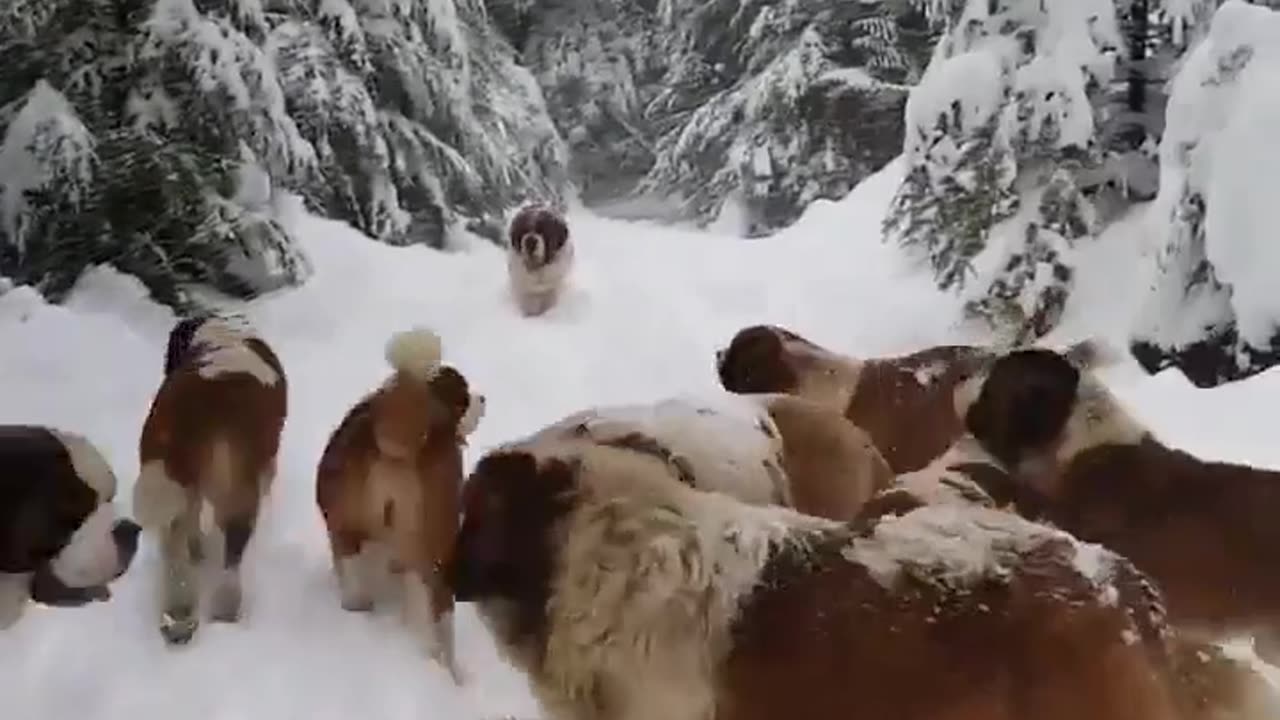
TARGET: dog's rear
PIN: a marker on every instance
(212, 435)
(539, 258)
(388, 483)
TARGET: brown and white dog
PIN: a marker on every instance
(387, 486)
(904, 403)
(1209, 684)
(1206, 531)
(626, 594)
(211, 436)
(61, 541)
(539, 258)
(761, 449)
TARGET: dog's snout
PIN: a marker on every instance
(125, 533)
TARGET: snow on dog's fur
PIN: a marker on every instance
(540, 256)
(761, 449)
(626, 594)
(212, 435)
(903, 402)
(1206, 531)
(388, 481)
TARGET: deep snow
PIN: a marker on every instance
(648, 309)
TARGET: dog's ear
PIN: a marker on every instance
(756, 361)
(1024, 403)
(179, 344)
(554, 230)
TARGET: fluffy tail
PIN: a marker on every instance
(415, 353)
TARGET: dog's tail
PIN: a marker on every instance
(415, 353)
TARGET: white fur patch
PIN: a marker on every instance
(471, 418)
(1097, 418)
(157, 499)
(91, 557)
(536, 291)
(15, 592)
(729, 441)
(651, 575)
(936, 484)
(89, 464)
(949, 546)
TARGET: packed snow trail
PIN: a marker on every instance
(648, 308)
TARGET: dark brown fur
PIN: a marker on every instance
(1206, 531)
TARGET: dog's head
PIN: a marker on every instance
(1034, 409)
(538, 234)
(58, 522)
(767, 359)
(453, 406)
(514, 504)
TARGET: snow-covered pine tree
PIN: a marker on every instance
(599, 63)
(420, 116)
(1212, 311)
(124, 139)
(1000, 132)
(773, 105)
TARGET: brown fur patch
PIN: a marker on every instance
(820, 639)
(391, 474)
(193, 417)
(832, 466)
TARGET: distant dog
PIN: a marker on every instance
(761, 449)
(61, 541)
(1206, 531)
(539, 258)
(904, 403)
(212, 435)
(388, 482)
(624, 593)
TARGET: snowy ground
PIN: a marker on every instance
(649, 308)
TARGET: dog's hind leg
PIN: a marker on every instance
(180, 591)
(227, 593)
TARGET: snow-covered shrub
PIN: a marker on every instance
(998, 132)
(1213, 310)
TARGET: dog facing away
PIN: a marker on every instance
(626, 594)
(61, 540)
(904, 402)
(761, 449)
(539, 258)
(388, 482)
(1208, 683)
(1206, 531)
(211, 436)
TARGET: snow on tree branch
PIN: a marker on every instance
(1213, 311)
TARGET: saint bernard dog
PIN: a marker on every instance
(1206, 531)
(388, 482)
(1209, 684)
(624, 593)
(904, 403)
(539, 258)
(211, 436)
(761, 449)
(61, 541)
